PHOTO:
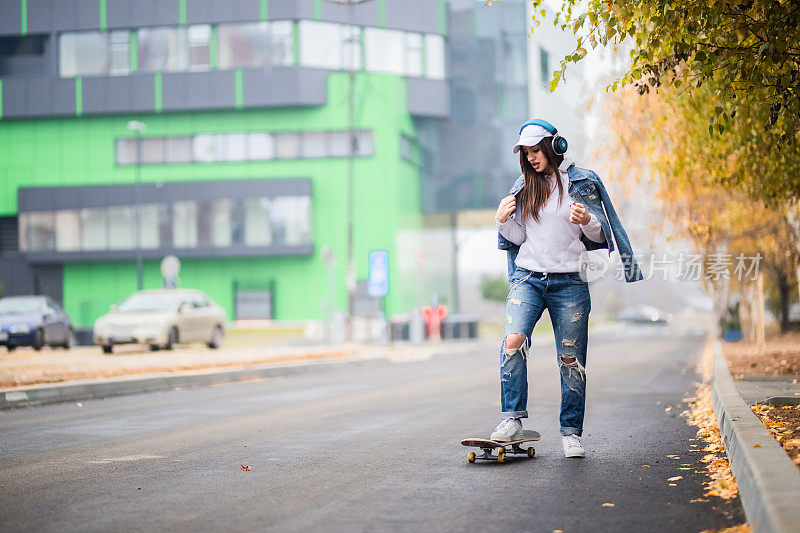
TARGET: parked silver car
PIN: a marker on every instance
(162, 318)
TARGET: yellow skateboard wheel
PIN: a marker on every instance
(471, 457)
(531, 452)
(501, 456)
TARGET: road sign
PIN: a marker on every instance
(378, 283)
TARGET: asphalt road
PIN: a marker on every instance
(374, 448)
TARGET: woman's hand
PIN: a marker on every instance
(507, 206)
(578, 214)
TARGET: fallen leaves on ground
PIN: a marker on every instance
(701, 414)
(784, 424)
(741, 528)
(245, 468)
(608, 505)
(781, 356)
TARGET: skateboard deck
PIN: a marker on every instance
(487, 445)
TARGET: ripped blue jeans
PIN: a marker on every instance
(566, 296)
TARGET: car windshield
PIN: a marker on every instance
(19, 306)
(143, 303)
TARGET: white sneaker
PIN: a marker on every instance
(508, 429)
(572, 446)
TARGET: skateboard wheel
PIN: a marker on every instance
(501, 456)
(471, 457)
(531, 452)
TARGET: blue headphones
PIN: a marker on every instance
(559, 143)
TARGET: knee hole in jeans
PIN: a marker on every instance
(514, 341)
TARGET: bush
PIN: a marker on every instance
(494, 288)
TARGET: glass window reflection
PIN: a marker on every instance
(329, 45)
(83, 54)
(163, 49)
(94, 229)
(41, 230)
(120, 228)
(434, 57)
(257, 230)
(184, 224)
(255, 44)
(68, 230)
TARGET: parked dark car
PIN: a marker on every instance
(34, 321)
(645, 314)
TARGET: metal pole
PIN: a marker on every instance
(138, 127)
(138, 229)
(351, 267)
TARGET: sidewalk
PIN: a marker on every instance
(769, 482)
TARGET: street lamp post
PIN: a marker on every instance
(138, 127)
(351, 266)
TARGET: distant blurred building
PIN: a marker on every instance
(244, 159)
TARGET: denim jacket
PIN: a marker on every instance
(585, 186)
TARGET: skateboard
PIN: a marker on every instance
(488, 445)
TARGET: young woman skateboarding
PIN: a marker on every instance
(554, 213)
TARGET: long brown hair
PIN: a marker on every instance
(533, 196)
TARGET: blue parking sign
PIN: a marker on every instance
(378, 283)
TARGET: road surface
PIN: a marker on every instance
(373, 448)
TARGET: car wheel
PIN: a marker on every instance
(216, 338)
(108, 348)
(70, 342)
(154, 347)
(38, 340)
(172, 338)
(11, 348)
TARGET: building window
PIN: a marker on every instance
(184, 224)
(41, 231)
(384, 50)
(94, 229)
(364, 143)
(199, 47)
(329, 45)
(257, 230)
(260, 146)
(221, 234)
(290, 217)
(119, 53)
(235, 147)
(83, 54)
(314, 144)
(413, 54)
(126, 151)
(120, 228)
(255, 44)
(68, 231)
(338, 143)
(163, 49)
(149, 224)
(434, 57)
(152, 150)
(287, 145)
(178, 150)
(24, 54)
(544, 65)
(207, 148)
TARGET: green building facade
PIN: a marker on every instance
(69, 164)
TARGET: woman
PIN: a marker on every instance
(546, 235)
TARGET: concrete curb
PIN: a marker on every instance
(769, 482)
(103, 388)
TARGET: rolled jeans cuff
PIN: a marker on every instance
(571, 431)
(514, 414)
